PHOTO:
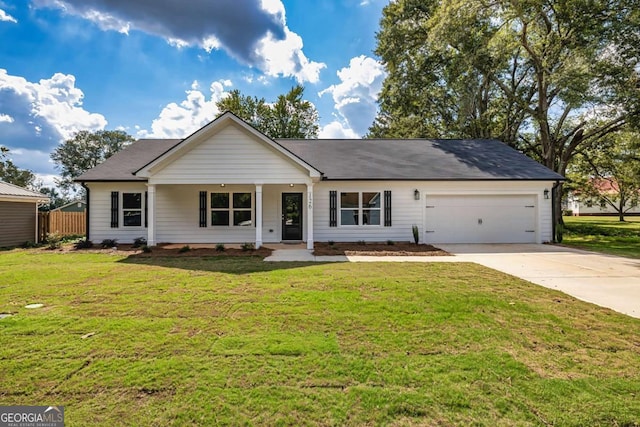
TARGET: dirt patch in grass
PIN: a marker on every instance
(377, 249)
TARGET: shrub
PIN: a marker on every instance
(185, 248)
(54, 240)
(83, 244)
(29, 244)
(331, 243)
(139, 241)
(390, 242)
(220, 247)
(362, 242)
(247, 247)
(109, 243)
(416, 234)
(146, 249)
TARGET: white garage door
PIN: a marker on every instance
(480, 219)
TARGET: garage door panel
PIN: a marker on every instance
(480, 219)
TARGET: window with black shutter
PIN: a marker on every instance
(333, 208)
(387, 208)
(115, 197)
(203, 209)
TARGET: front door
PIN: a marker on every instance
(291, 216)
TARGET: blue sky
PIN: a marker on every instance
(155, 68)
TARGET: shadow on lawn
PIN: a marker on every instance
(219, 264)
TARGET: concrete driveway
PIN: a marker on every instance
(605, 280)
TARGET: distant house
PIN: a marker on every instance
(75, 206)
(229, 183)
(18, 214)
(579, 204)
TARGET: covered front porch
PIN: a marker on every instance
(230, 213)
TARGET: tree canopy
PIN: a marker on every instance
(86, 150)
(12, 174)
(610, 173)
(535, 74)
(289, 117)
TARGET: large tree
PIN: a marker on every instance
(12, 174)
(536, 74)
(86, 150)
(289, 117)
(610, 173)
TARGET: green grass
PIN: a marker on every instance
(205, 341)
(604, 234)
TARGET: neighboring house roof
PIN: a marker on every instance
(10, 191)
(349, 159)
(75, 202)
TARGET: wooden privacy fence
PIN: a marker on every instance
(64, 223)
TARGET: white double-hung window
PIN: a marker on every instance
(360, 208)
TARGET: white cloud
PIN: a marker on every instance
(254, 32)
(285, 57)
(56, 101)
(356, 95)
(33, 160)
(36, 116)
(180, 120)
(5, 17)
(337, 130)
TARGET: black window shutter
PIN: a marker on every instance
(333, 208)
(203, 209)
(146, 208)
(115, 196)
(387, 208)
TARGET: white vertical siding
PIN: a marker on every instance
(231, 156)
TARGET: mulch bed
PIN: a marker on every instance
(159, 251)
(377, 249)
(320, 248)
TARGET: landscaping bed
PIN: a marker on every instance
(376, 249)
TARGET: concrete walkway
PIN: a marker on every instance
(605, 280)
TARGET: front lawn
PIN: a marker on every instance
(205, 341)
(604, 234)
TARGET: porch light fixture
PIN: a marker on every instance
(290, 185)
(416, 194)
(221, 185)
(546, 193)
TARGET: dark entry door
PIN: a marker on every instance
(291, 216)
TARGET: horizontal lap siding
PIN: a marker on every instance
(100, 212)
(405, 212)
(17, 223)
(231, 156)
(177, 216)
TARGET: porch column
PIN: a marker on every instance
(258, 216)
(310, 216)
(151, 214)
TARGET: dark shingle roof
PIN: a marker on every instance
(122, 165)
(367, 159)
(418, 159)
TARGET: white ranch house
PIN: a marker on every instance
(228, 183)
